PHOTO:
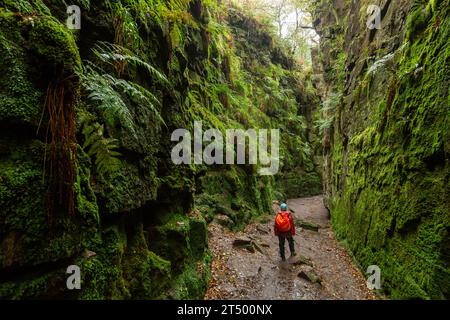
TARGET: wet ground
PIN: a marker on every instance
(241, 273)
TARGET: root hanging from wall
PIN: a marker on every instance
(61, 131)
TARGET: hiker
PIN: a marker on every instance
(284, 228)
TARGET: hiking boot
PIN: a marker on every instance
(283, 259)
(293, 254)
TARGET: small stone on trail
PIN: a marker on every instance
(307, 225)
(263, 229)
(250, 248)
(224, 220)
(303, 260)
(310, 275)
(242, 242)
(258, 247)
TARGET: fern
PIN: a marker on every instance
(330, 104)
(136, 93)
(109, 101)
(108, 91)
(327, 112)
(324, 123)
(103, 149)
(380, 63)
(386, 62)
(111, 53)
(126, 29)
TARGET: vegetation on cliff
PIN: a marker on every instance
(103, 192)
(387, 147)
(86, 117)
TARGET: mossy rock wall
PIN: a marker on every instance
(138, 231)
(387, 154)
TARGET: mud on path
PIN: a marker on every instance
(249, 273)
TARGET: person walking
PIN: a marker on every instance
(284, 228)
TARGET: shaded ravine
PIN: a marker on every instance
(238, 273)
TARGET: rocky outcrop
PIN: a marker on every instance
(86, 118)
(386, 152)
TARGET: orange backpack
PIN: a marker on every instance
(282, 222)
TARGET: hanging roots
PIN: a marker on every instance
(61, 130)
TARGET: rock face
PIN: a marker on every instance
(386, 151)
(85, 142)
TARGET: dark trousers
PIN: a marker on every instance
(290, 239)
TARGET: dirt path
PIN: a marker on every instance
(239, 273)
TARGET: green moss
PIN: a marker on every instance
(127, 189)
(47, 286)
(182, 240)
(86, 201)
(49, 42)
(20, 6)
(300, 184)
(146, 274)
(19, 99)
(26, 6)
(141, 222)
(234, 194)
(418, 20)
(389, 185)
(193, 282)
(101, 281)
(102, 274)
(198, 237)
(171, 241)
(54, 43)
(18, 200)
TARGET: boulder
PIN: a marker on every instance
(224, 220)
(310, 275)
(302, 260)
(307, 225)
(263, 229)
(242, 242)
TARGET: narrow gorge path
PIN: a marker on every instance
(246, 264)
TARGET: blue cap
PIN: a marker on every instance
(283, 206)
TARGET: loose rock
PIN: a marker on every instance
(310, 275)
(307, 225)
(224, 220)
(302, 260)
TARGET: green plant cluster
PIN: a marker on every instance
(140, 69)
(388, 175)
